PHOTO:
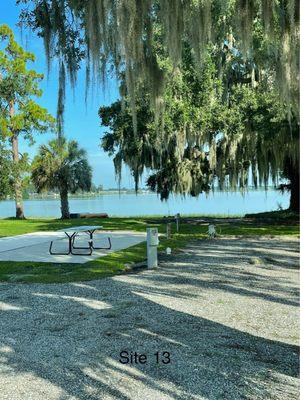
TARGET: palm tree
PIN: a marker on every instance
(61, 165)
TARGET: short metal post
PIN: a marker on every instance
(169, 230)
(177, 217)
(152, 243)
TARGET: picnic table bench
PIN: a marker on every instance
(72, 233)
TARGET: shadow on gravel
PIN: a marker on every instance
(71, 336)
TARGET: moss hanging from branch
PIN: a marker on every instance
(120, 33)
(206, 140)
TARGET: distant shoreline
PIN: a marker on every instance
(91, 195)
(55, 196)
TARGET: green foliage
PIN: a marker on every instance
(127, 146)
(19, 113)
(9, 171)
(191, 110)
(17, 87)
(219, 127)
(264, 139)
(123, 34)
(61, 165)
(5, 172)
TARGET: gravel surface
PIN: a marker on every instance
(226, 311)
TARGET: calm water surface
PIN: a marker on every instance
(149, 204)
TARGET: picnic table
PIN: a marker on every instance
(74, 232)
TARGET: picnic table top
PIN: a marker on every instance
(83, 228)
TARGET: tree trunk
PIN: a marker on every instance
(294, 198)
(17, 177)
(64, 204)
(291, 172)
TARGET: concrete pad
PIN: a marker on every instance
(29, 239)
(35, 247)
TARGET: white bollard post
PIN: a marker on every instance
(152, 243)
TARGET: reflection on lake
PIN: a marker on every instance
(149, 204)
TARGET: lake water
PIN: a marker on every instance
(149, 204)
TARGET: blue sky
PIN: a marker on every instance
(81, 121)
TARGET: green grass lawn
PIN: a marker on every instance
(11, 226)
(119, 262)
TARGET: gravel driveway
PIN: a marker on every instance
(225, 310)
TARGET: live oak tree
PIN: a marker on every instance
(218, 129)
(61, 165)
(20, 114)
(121, 34)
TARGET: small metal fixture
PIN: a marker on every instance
(211, 231)
(168, 250)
